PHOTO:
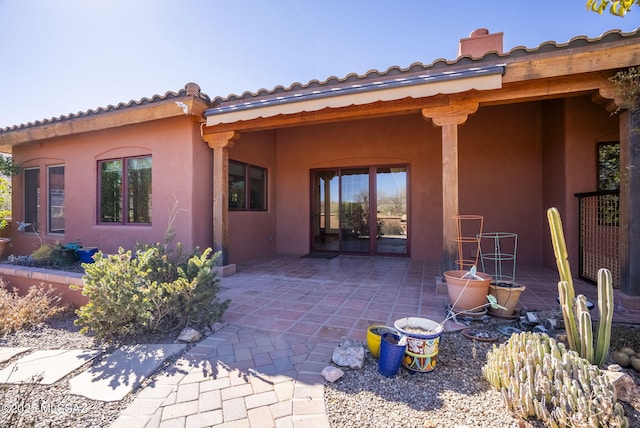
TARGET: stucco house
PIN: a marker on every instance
(372, 164)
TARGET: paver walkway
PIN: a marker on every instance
(237, 377)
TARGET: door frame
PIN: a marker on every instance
(373, 218)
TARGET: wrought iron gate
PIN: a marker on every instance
(599, 236)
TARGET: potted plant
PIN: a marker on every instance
(374, 336)
(423, 335)
(467, 289)
(507, 294)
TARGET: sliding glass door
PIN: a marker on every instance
(360, 210)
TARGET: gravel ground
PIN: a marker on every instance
(53, 405)
(455, 394)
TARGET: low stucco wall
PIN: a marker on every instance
(23, 277)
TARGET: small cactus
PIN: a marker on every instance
(539, 378)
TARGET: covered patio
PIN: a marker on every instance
(321, 300)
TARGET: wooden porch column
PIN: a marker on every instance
(220, 143)
(449, 117)
(629, 229)
(630, 202)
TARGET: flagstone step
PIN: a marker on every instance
(122, 372)
(7, 353)
(51, 364)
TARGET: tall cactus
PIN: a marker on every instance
(565, 286)
(576, 316)
(605, 309)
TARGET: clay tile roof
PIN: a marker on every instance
(189, 89)
(438, 65)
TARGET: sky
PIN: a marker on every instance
(68, 56)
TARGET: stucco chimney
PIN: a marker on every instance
(479, 43)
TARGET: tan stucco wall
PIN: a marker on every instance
(181, 162)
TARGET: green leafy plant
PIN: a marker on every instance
(153, 291)
(627, 83)
(540, 378)
(576, 316)
(616, 7)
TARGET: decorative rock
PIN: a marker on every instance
(331, 373)
(532, 317)
(188, 334)
(614, 368)
(351, 356)
(550, 323)
(348, 342)
(624, 386)
(212, 328)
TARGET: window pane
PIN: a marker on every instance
(237, 188)
(56, 199)
(32, 199)
(258, 188)
(608, 166)
(139, 190)
(111, 191)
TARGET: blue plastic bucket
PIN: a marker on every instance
(391, 354)
(86, 254)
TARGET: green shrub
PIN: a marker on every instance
(18, 312)
(540, 378)
(153, 291)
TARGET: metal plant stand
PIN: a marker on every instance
(469, 230)
(501, 255)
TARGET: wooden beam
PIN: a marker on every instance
(452, 114)
(106, 120)
(570, 62)
(218, 140)
(510, 93)
(449, 117)
(221, 143)
(450, 197)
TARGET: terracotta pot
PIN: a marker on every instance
(5, 248)
(466, 292)
(507, 294)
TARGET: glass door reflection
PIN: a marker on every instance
(326, 202)
(391, 209)
(360, 210)
(354, 210)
